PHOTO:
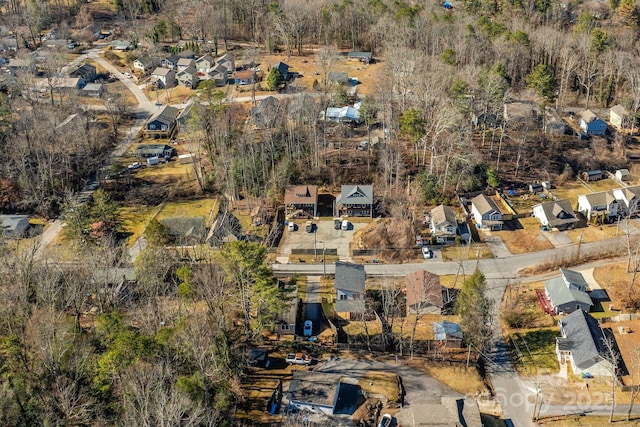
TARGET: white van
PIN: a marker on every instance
(345, 225)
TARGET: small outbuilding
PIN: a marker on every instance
(14, 225)
(622, 175)
(592, 175)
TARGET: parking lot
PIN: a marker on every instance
(325, 236)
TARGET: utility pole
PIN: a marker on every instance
(324, 261)
(579, 244)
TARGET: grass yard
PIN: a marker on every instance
(207, 208)
(456, 253)
(134, 220)
(174, 95)
(571, 191)
(385, 383)
(452, 280)
(118, 88)
(525, 240)
(521, 309)
(594, 233)
(615, 280)
(460, 378)
(604, 185)
(536, 350)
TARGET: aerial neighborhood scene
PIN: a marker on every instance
(323, 213)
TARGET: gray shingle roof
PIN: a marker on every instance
(559, 293)
(588, 116)
(600, 198)
(14, 225)
(355, 195)
(314, 387)
(166, 116)
(559, 212)
(350, 306)
(583, 337)
(485, 204)
(441, 214)
(573, 277)
(350, 277)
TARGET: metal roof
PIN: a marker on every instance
(443, 330)
(355, 195)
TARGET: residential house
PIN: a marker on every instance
(583, 345)
(592, 124)
(343, 114)
(16, 65)
(204, 64)
(162, 123)
(339, 78)
(285, 321)
(315, 392)
(228, 61)
(185, 114)
(555, 214)
(188, 77)
(67, 84)
(629, 198)
(145, 64)
(350, 288)
(8, 44)
(164, 77)
(93, 90)
(247, 77)
(355, 200)
(622, 175)
(443, 224)
(424, 293)
(170, 62)
(185, 230)
(146, 151)
(219, 75)
(186, 53)
(486, 212)
(592, 175)
(364, 57)
(86, 71)
(568, 292)
(283, 68)
(14, 225)
(618, 117)
(184, 63)
(301, 200)
(447, 331)
(121, 45)
(603, 206)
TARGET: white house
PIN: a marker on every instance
(164, 77)
(602, 205)
(617, 116)
(444, 225)
(555, 214)
(622, 175)
(583, 345)
(628, 197)
(486, 213)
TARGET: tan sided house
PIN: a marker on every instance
(301, 201)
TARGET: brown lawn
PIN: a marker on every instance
(571, 191)
(604, 184)
(615, 279)
(594, 233)
(460, 378)
(626, 334)
(525, 240)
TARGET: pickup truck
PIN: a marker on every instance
(298, 359)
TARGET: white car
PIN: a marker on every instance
(135, 165)
(292, 226)
(307, 331)
(427, 253)
(385, 421)
(127, 75)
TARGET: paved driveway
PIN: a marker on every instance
(325, 236)
(558, 239)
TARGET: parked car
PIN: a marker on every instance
(291, 226)
(427, 253)
(337, 223)
(307, 331)
(309, 227)
(134, 165)
(385, 421)
(298, 359)
(419, 241)
(128, 75)
(363, 145)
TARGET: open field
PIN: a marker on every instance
(604, 184)
(460, 378)
(593, 233)
(525, 240)
(134, 220)
(466, 252)
(571, 191)
(385, 383)
(207, 208)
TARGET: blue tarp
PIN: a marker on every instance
(447, 5)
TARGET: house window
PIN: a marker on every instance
(152, 127)
(577, 306)
(284, 327)
(163, 127)
(343, 296)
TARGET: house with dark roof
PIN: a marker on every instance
(555, 214)
(364, 57)
(602, 205)
(568, 292)
(592, 124)
(443, 224)
(85, 71)
(355, 200)
(94, 90)
(205, 63)
(301, 201)
(170, 62)
(350, 288)
(486, 212)
(228, 61)
(583, 345)
(144, 151)
(164, 77)
(629, 198)
(145, 63)
(162, 124)
(283, 68)
(315, 392)
(424, 293)
(218, 74)
(14, 225)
